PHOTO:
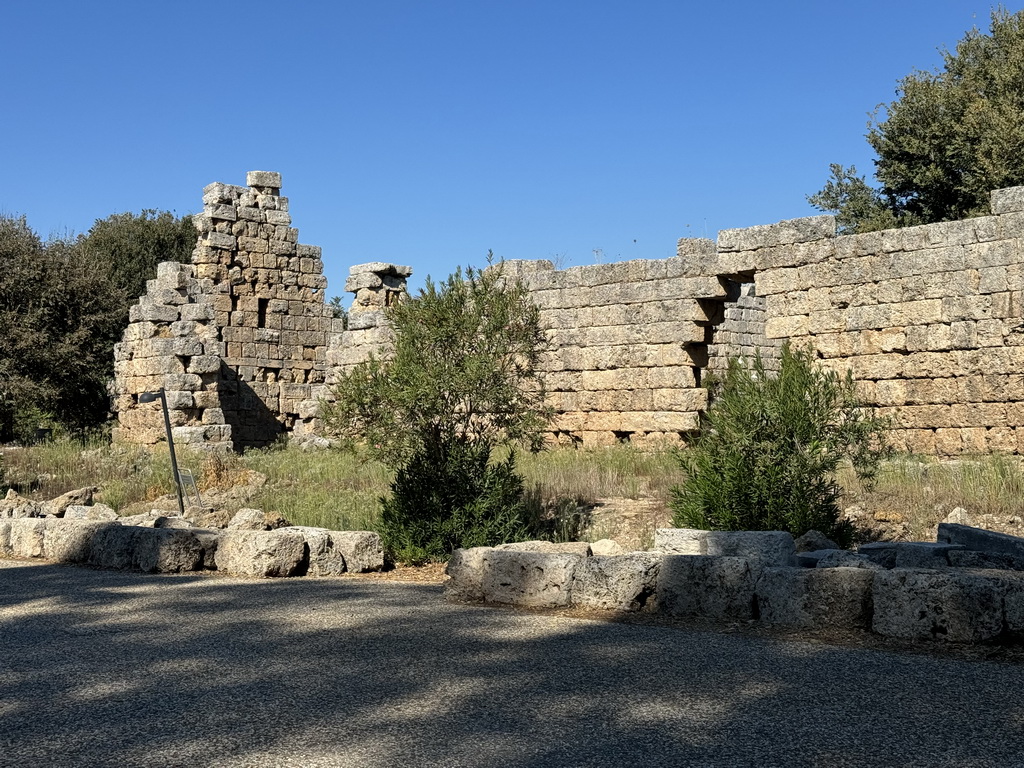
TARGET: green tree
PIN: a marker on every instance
(131, 245)
(948, 140)
(60, 314)
(768, 452)
(458, 380)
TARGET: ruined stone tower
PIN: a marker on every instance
(237, 338)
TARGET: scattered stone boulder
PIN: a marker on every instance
(528, 579)
(680, 541)
(261, 554)
(13, 506)
(172, 521)
(465, 572)
(763, 548)
(324, 559)
(706, 587)
(248, 519)
(79, 497)
(818, 598)
(581, 548)
(981, 540)
(606, 547)
(616, 582)
(958, 515)
(844, 558)
(814, 541)
(362, 550)
(84, 512)
(208, 517)
(951, 605)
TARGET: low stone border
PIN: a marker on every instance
(754, 576)
(291, 551)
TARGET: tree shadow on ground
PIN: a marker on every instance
(113, 668)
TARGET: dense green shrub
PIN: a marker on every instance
(767, 455)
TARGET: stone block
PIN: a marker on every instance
(766, 548)
(168, 550)
(263, 179)
(114, 546)
(99, 512)
(924, 554)
(581, 548)
(701, 586)
(261, 554)
(811, 559)
(5, 538)
(981, 540)
(680, 541)
(27, 535)
(819, 598)
(465, 575)
(362, 550)
(616, 582)
(324, 558)
(950, 605)
(1007, 200)
(528, 579)
(881, 552)
(842, 558)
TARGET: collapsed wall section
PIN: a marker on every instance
(238, 338)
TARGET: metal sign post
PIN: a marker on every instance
(149, 397)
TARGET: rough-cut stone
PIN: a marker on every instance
(261, 554)
(818, 598)
(208, 540)
(14, 506)
(27, 536)
(707, 587)
(881, 552)
(80, 496)
(616, 582)
(5, 538)
(168, 550)
(924, 554)
(966, 558)
(581, 548)
(114, 546)
(843, 558)
(528, 579)
(606, 547)
(248, 519)
(766, 548)
(172, 521)
(680, 541)
(70, 540)
(981, 540)
(362, 550)
(813, 541)
(323, 557)
(94, 512)
(951, 605)
(811, 559)
(465, 571)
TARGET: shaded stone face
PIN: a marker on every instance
(238, 338)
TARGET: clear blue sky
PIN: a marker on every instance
(426, 132)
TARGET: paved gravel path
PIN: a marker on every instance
(103, 668)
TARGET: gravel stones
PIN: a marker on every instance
(620, 583)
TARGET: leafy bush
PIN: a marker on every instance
(456, 498)
(767, 455)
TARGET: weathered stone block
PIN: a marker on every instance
(263, 179)
(324, 558)
(114, 546)
(261, 554)
(581, 548)
(616, 582)
(168, 550)
(815, 598)
(924, 554)
(529, 579)
(26, 536)
(362, 550)
(465, 575)
(680, 541)
(842, 558)
(766, 548)
(701, 586)
(981, 540)
(951, 605)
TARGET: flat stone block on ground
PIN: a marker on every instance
(616, 582)
(981, 540)
(955, 606)
(114, 546)
(924, 554)
(805, 598)
(528, 579)
(261, 554)
(362, 550)
(168, 550)
(707, 587)
(680, 541)
(581, 548)
(465, 573)
(69, 540)
(767, 548)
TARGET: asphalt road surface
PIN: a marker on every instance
(101, 668)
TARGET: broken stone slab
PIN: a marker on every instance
(80, 497)
(381, 268)
(528, 579)
(167, 550)
(70, 540)
(13, 506)
(766, 548)
(616, 582)
(949, 605)
(362, 550)
(818, 598)
(261, 554)
(924, 554)
(680, 541)
(814, 541)
(844, 558)
(811, 559)
(706, 587)
(981, 540)
(881, 552)
(465, 573)
(581, 548)
(95, 512)
(324, 558)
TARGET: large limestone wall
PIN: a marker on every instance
(238, 338)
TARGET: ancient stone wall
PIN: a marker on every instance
(238, 338)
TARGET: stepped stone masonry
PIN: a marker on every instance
(238, 338)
